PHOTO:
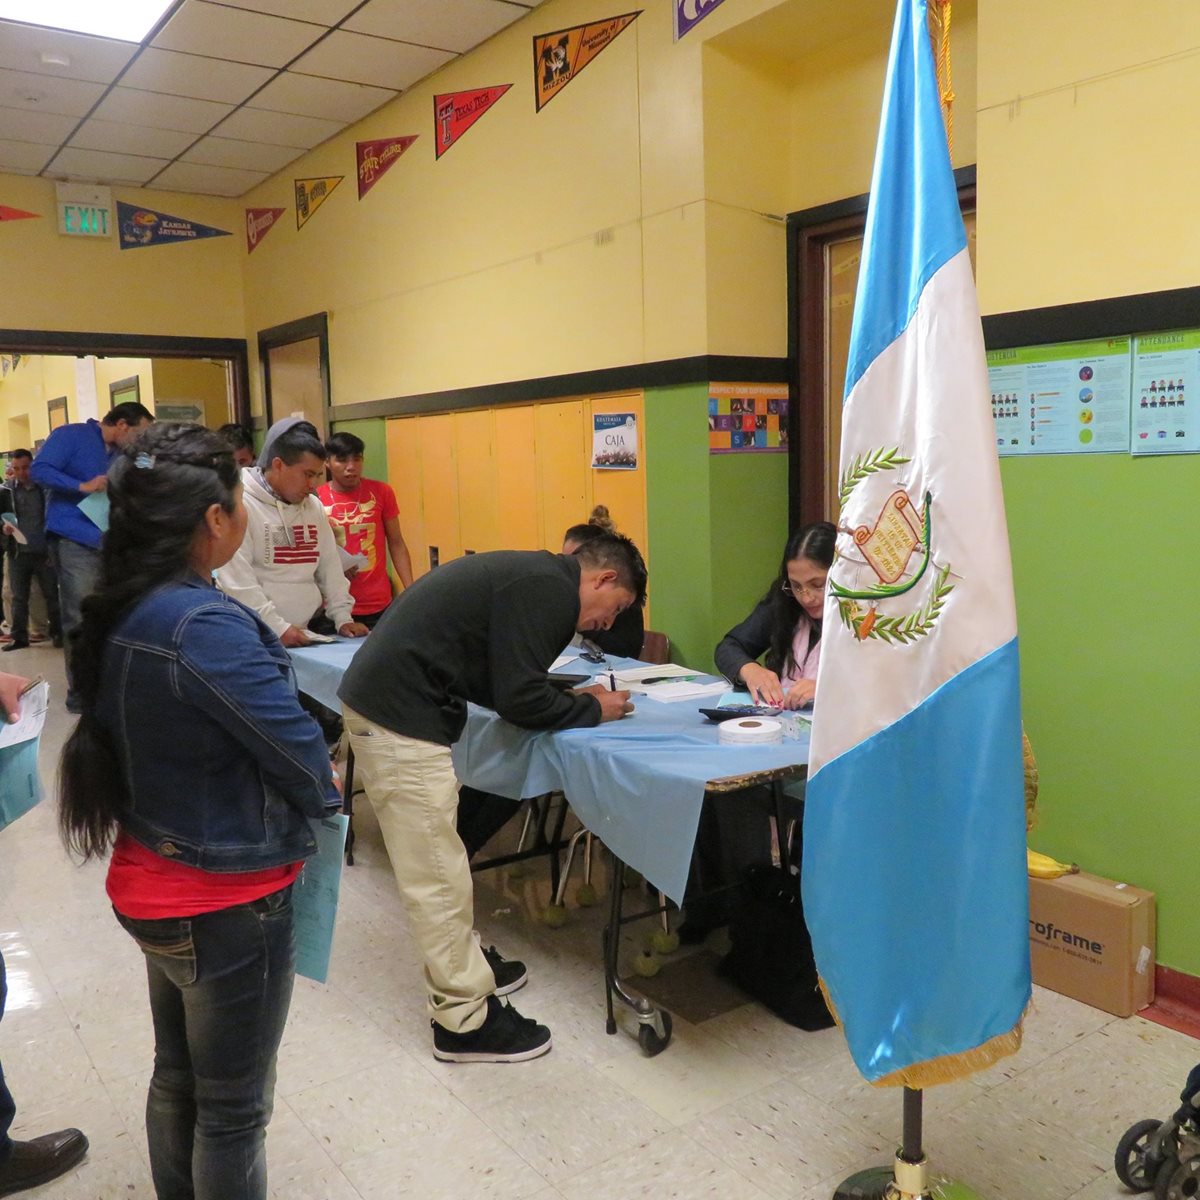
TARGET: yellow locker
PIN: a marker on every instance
(439, 488)
(623, 492)
(476, 467)
(404, 474)
(516, 479)
(562, 471)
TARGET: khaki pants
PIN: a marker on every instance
(412, 787)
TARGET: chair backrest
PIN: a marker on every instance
(656, 648)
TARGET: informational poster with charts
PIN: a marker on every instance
(747, 417)
(1166, 393)
(1070, 398)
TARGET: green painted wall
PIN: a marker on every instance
(374, 436)
(1106, 576)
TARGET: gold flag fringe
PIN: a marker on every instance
(949, 1068)
(939, 33)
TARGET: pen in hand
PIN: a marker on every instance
(612, 680)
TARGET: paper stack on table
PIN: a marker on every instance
(669, 682)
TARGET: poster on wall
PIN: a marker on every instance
(311, 194)
(455, 112)
(15, 214)
(1069, 398)
(559, 56)
(1166, 393)
(614, 442)
(259, 222)
(146, 227)
(689, 14)
(376, 158)
(747, 417)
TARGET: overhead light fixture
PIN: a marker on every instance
(128, 21)
(55, 59)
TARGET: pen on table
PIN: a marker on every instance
(612, 680)
(671, 679)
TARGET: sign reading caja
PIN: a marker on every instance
(84, 210)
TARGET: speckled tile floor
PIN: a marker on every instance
(742, 1106)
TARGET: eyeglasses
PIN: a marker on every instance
(803, 589)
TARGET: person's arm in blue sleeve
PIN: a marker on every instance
(53, 463)
(229, 674)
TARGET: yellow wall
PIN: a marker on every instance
(113, 370)
(198, 381)
(24, 393)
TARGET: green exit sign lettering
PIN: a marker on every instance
(84, 210)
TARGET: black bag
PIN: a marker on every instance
(772, 956)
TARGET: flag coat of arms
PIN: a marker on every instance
(914, 880)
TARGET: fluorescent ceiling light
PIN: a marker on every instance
(128, 20)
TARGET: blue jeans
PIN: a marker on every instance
(220, 986)
(8, 1107)
(78, 570)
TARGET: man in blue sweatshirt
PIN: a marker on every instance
(71, 465)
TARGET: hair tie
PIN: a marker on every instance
(144, 460)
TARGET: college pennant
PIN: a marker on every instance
(15, 214)
(455, 112)
(258, 224)
(311, 194)
(559, 56)
(146, 227)
(376, 158)
(689, 14)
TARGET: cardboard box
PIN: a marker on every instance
(1093, 940)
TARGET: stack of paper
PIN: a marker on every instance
(669, 682)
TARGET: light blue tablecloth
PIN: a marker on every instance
(638, 784)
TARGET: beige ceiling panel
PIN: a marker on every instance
(371, 60)
(279, 129)
(308, 95)
(161, 112)
(26, 125)
(192, 75)
(458, 25)
(211, 181)
(247, 156)
(120, 138)
(322, 12)
(24, 158)
(46, 93)
(111, 168)
(233, 33)
(92, 59)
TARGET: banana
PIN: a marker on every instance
(1042, 866)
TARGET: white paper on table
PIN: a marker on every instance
(319, 637)
(562, 660)
(684, 690)
(637, 674)
(34, 706)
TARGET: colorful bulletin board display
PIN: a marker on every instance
(747, 417)
(1166, 393)
(559, 56)
(1069, 398)
(614, 442)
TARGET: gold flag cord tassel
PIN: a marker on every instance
(939, 33)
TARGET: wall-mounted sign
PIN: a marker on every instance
(455, 112)
(375, 159)
(614, 442)
(147, 227)
(84, 210)
(747, 417)
(559, 56)
(15, 214)
(258, 225)
(311, 194)
(689, 14)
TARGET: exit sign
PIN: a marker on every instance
(84, 210)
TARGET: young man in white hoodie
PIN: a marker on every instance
(288, 568)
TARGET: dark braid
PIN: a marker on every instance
(816, 542)
(159, 490)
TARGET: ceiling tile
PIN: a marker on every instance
(46, 93)
(458, 25)
(93, 59)
(24, 158)
(26, 125)
(192, 75)
(104, 167)
(249, 156)
(279, 129)
(371, 60)
(161, 112)
(311, 96)
(212, 181)
(323, 12)
(122, 138)
(233, 33)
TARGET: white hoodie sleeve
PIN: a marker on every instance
(331, 578)
(237, 578)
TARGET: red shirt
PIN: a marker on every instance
(361, 514)
(145, 886)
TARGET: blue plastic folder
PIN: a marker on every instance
(315, 897)
(20, 787)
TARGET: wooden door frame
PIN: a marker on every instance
(316, 326)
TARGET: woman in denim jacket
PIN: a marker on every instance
(194, 761)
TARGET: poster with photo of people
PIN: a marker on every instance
(1166, 393)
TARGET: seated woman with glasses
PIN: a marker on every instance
(785, 626)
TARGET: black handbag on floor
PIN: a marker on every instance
(772, 956)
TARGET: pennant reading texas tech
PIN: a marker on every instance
(559, 56)
(455, 112)
(258, 224)
(311, 194)
(376, 158)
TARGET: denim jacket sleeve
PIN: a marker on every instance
(227, 671)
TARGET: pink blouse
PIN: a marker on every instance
(804, 660)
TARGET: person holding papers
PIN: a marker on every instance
(195, 763)
(482, 629)
(785, 626)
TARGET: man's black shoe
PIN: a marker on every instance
(39, 1161)
(14, 645)
(510, 974)
(505, 1036)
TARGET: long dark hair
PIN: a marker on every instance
(816, 542)
(159, 489)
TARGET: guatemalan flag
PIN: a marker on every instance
(915, 886)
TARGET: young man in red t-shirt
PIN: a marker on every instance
(366, 510)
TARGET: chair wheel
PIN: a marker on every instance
(587, 896)
(554, 915)
(647, 966)
(649, 1040)
(1135, 1163)
(663, 942)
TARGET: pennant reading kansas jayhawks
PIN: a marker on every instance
(914, 882)
(148, 227)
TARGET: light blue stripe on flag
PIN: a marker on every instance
(913, 836)
(914, 225)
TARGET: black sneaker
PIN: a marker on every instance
(504, 1036)
(15, 644)
(510, 974)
